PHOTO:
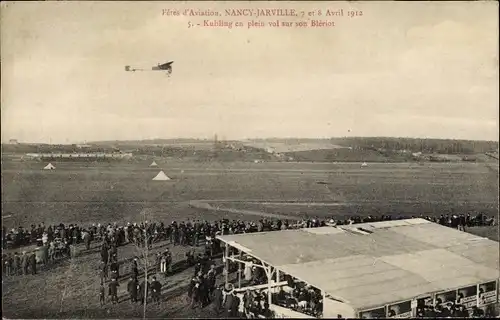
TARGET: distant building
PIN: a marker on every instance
(74, 155)
(82, 146)
(13, 141)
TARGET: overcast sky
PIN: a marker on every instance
(402, 69)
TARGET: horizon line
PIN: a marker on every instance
(8, 141)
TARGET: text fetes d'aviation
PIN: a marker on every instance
(232, 12)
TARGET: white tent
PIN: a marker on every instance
(161, 176)
(49, 167)
(153, 164)
(364, 164)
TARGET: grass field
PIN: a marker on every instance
(108, 192)
(91, 193)
(490, 232)
(292, 146)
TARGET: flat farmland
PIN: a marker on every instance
(108, 192)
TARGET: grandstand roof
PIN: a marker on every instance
(385, 262)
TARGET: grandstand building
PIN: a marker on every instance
(373, 270)
(72, 156)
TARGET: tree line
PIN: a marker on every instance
(440, 146)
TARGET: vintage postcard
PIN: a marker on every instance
(249, 159)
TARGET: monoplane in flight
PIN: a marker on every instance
(160, 67)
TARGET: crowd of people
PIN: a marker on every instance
(295, 295)
(56, 242)
(141, 291)
(184, 233)
(20, 264)
(457, 221)
(452, 310)
(300, 297)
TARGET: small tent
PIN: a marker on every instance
(153, 164)
(49, 167)
(161, 176)
(364, 164)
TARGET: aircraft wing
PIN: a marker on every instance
(166, 66)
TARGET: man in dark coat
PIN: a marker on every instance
(63, 233)
(128, 232)
(134, 269)
(211, 277)
(132, 289)
(113, 290)
(217, 299)
(460, 312)
(195, 297)
(235, 305)
(191, 286)
(168, 258)
(205, 291)
(228, 303)
(104, 254)
(155, 290)
(247, 301)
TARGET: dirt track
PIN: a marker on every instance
(220, 206)
(201, 204)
